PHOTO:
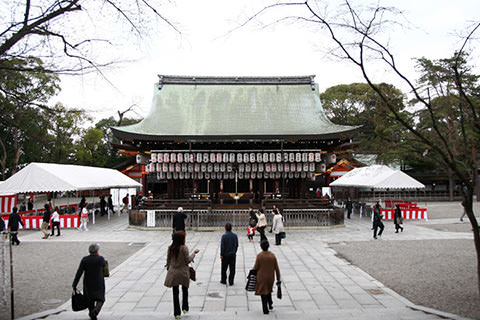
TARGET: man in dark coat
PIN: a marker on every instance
(30, 204)
(103, 204)
(178, 223)
(46, 221)
(377, 221)
(228, 254)
(110, 203)
(349, 206)
(14, 220)
(92, 268)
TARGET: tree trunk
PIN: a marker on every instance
(468, 201)
(451, 184)
(3, 161)
(475, 171)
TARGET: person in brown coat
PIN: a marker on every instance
(178, 273)
(266, 266)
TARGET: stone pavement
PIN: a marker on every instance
(316, 283)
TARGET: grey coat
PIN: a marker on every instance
(177, 269)
(277, 225)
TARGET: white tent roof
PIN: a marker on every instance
(377, 177)
(49, 177)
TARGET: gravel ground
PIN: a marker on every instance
(44, 272)
(440, 274)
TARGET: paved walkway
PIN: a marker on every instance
(316, 283)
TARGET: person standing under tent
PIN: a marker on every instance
(56, 221)
(103, 204)
(83, 219)
(110, 204)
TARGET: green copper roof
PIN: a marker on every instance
(234, 108)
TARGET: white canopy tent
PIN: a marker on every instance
(51, 177)
(377, 177)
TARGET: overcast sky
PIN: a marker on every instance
(203, 48)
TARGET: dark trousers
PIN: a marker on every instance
(228, 262)
(14, 234)
(176, 301)
(377, 225)
(349, 212)
(94, 307)
(397, 226)
(266, 302)
(278, 239)
(56, 224)
(261, 230)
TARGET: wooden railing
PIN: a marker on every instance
(239, 218)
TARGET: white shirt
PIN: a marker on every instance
(55, 216)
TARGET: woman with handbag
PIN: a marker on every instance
(261, 224)
(277, 226)
(267, 268)
(178, 272)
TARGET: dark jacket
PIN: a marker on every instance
(179, 221)
(349, 205)
(229, 244)
(46, 216)
(253, 219)
(93, 280)
(377, 217)
(14, 220)
(2, 224)
(398, 218)
(110, 203)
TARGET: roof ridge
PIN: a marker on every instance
(278, 80)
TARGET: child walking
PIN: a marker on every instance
(250, 232)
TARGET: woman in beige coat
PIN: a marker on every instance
(266, 266)
(178, 273)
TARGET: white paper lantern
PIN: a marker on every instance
(184, 167)
(259, 157)
(241, 167)
(311, 157)
(216, 167)
(186, 157)
(153, 157)
(219, 157)
(271, 157)
(160, 157)
(286, 167)
(213, 157)
(303, 175)
(190, 167)
(164, 167)
(318, 157)
(175, 175)
(203, 167)
(299, 167)
(239, 158)
(180, 158)
(248, 167)
(267, 167)
(312, 167)
(266, 175)
(232, 157)
(253, 175)
(286, 157)
(278, 157)
(188, 175)
(253, 157)
(171, 167)
(225, 157)
(260, 175)
(298, 157)
(240, 175)
(207, 175)
(210, 167)
(274, 167)
(231, 175)
(305, 167)
(260, 167)
(293, 167)
(205, 157)
(158, 167)
(223, 167)
(229, 167)
(265, 157)
(173, 157)
(323, 167)
(178, 167)
(254, 167)
(213, 176)
(291, 157)
(169, 175)
(166, 157)
(181, 175)
(246, 157)
(197, 167)
(199, 157)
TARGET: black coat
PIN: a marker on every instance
(253, 219)
(93, 280)
(14, 220)
(377, 217)
(179, 221)
(46, 216)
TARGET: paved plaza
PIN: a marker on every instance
(316, 283)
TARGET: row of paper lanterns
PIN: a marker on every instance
(228, 167)
(231, 175)
(239, 157)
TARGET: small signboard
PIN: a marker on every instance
(150, 218)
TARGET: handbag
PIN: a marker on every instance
(251, 280)
(283, 235)
(279, 290)
(79, 301)
(193, 274)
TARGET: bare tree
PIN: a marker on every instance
(65, 33)
(358, 36)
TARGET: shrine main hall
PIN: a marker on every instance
(226, 143)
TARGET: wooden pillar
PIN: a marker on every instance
(170, 189)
